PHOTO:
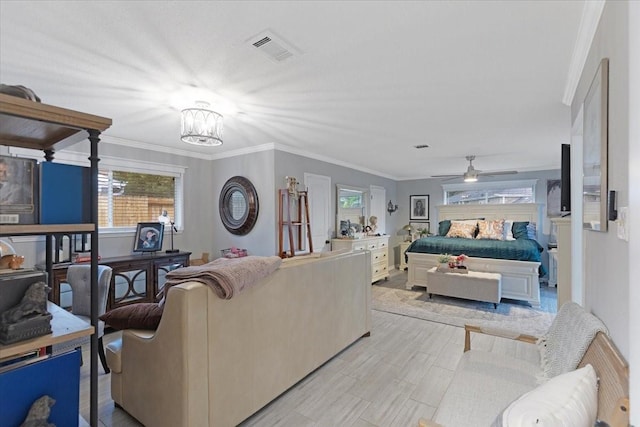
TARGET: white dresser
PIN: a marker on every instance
(379, 247)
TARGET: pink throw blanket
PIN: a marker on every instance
(226, 277)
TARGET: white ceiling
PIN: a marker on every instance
(373, 79)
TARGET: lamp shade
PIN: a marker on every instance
(201, 126)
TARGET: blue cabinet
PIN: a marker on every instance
(56, 376)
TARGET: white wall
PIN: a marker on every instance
(606, 266)
(259, 169)
(288, 164)
(634, 207)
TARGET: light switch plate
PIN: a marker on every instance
(623, 224)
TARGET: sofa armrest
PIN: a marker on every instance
(496, 332)
(169, 368)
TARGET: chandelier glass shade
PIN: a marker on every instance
(201, 126)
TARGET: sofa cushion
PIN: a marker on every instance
(500, 378)
(570, 399)
(134, 316)
(113, 353)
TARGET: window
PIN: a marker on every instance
(521, 191)
(127, 198)
(129, 191)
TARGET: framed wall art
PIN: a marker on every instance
(419, 206)
(18, 191)
(595, 143)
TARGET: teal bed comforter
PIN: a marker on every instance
(519, 249)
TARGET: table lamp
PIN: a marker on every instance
(409, 229)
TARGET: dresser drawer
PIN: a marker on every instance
(379, 255)
(360, 246)
(379, 271)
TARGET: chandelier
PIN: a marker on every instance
(201, 126)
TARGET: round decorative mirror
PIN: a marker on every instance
(238, 205)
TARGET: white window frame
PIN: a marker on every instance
(124, 165)
(489, 185)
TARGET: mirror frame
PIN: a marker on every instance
(244, 224)
(595, 146)
(365, 210)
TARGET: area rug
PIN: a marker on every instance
(392, 297)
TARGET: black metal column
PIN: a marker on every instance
(94, 138)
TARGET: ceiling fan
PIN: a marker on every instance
(472, 174)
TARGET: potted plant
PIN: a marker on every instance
(443, 262)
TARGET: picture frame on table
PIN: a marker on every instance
(415, 226)
(419, 207)
(148, 237)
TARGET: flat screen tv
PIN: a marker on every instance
(565, 177)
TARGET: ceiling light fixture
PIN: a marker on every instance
(470, 176)
(201, 126)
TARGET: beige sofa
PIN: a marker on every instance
(215, 362)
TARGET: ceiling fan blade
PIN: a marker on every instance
(445, 176)
(498, 173)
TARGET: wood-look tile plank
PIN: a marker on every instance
(344, 411)
(433, 386)
(387, 404)
(411, 412)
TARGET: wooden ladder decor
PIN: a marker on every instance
(295, 225)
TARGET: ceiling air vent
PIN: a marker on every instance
(419, 146)
(273, 47)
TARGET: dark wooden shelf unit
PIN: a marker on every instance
(29, 124)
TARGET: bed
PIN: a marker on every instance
(520, 276)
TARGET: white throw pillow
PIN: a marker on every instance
(569, 399)
(508, 233)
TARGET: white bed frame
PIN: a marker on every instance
(519, 278)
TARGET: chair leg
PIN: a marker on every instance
(103, 358)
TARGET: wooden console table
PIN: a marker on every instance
(136, 278)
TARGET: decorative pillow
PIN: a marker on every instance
(508, 233)
(443, 227)
(463, 229)
(531, 231)
(520, 229)
(491, 229)
(134, 316)
(569, 399)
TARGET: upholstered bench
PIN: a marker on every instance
(580, 377)
(473, 285)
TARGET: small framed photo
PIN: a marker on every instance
(148, 237)
(419, 206)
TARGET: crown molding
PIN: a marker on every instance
(298, 152)
(331, 160)
(591, 13)
(130, 143)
